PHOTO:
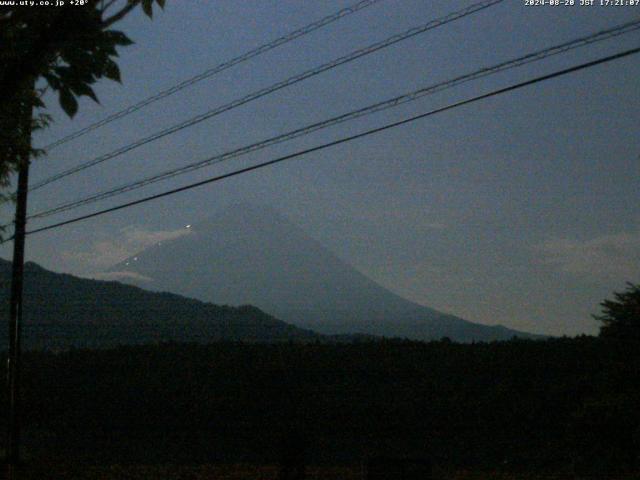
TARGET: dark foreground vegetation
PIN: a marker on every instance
(563, 405)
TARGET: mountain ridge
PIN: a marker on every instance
(61, 299)
(250, 254)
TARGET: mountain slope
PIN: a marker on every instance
(64, 300)
(249, 254)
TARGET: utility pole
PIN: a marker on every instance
(15, 311)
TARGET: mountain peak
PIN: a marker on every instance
(245, 215)
(251, 254)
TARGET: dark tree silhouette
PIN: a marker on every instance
(620, 317)
(69, 47)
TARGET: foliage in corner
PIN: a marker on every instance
(69, 47)
(620, 317)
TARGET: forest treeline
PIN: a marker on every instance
(553, 405)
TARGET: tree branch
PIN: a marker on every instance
(108, 5)
(121, 14)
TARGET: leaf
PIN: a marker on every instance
(147, 6)
(38, 103)
(68, 102)
(52, 80)
(84, 89)
(118, 38)
(160, 3)
(112, 71)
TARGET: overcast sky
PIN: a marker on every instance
(520, 210)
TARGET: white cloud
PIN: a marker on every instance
(108, 252)
(122, 275)
(614, 256)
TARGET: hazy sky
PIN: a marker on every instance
(520, 210)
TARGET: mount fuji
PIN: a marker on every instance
(253, 255)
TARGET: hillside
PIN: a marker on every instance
(81, 306)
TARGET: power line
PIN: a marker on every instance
(273, 88)
(217, 69)
(383, 105)
(344, 139)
